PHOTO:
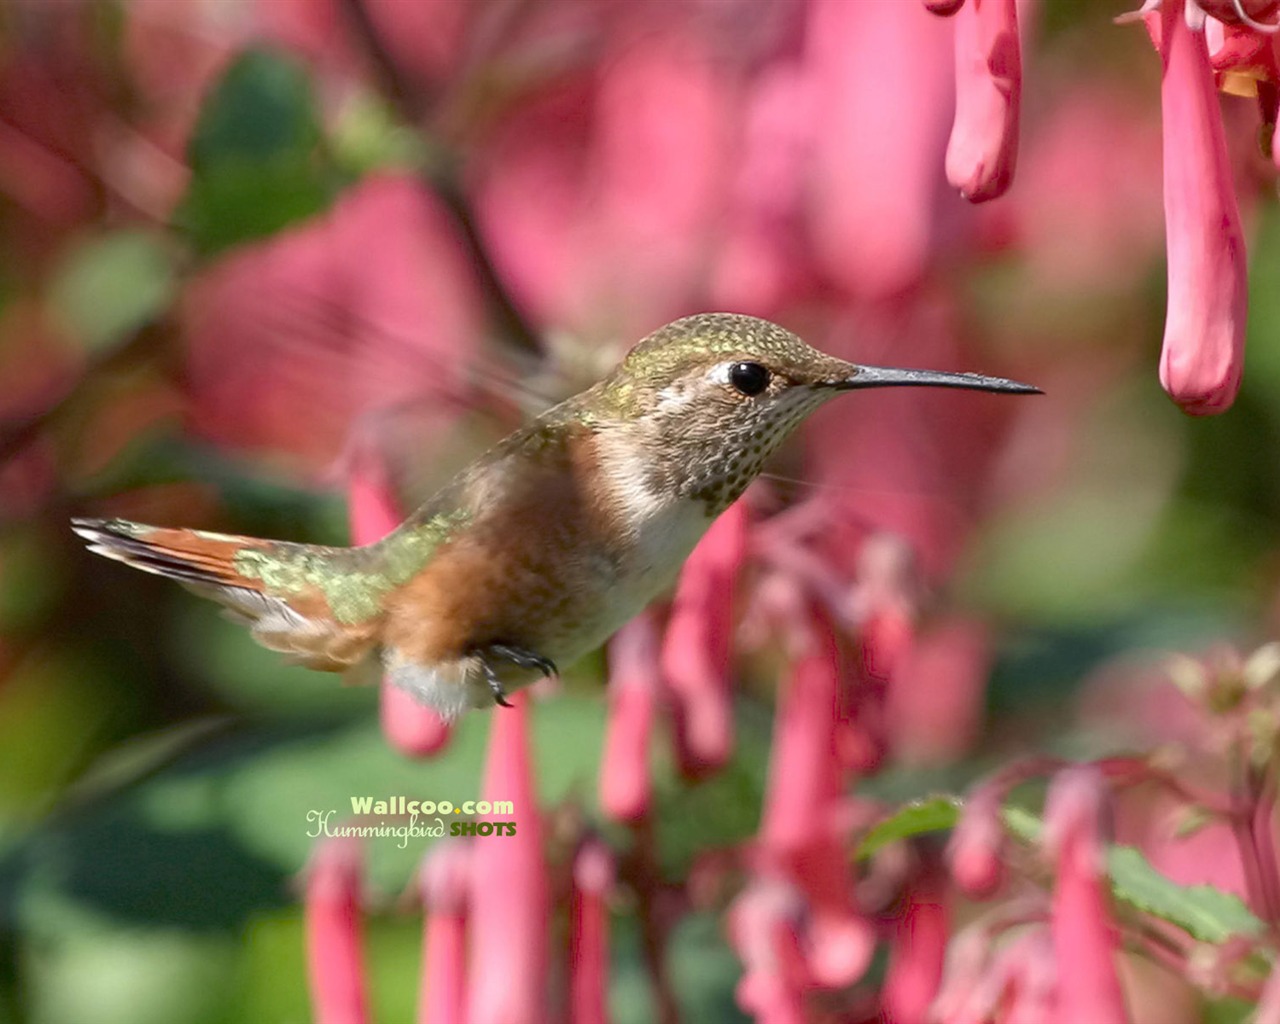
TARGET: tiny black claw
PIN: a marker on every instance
(525, 658)
(517, 656)
(495, 684)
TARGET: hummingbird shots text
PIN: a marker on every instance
(403, 819)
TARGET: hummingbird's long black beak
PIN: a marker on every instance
(889, 377)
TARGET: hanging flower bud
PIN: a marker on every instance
(1203, 355)
(1083, 934)
(917, 948)
(510, 898)
(335, 959)
(593, 873)
(974, 852)
(698, 645)
(764, 928)
(984, 136)
(443, 880)
(625, 782)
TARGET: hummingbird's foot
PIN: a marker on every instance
(525, 658)
(495, 684)
(517, 656)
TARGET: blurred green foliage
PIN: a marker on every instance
(256, 155)
(172, 868)
(110, 286)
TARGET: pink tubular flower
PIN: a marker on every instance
(1025, 977)
(593, 872)
(764, 262)
(374, 512)
(884, 602)
(799, 833)
(964, 966)
(764, 928)
(984, 136)
(1241, 37)
(876, 181)
(1012, 984)
(804, 774)
(510, 898)
(698, 645)
(625, 782)
(1203, 354)
(1034, 978)
(974, 852)
(918, 948)
(1084, 938)
(935, 698)
(335, 960)
(594, 147)
(443, 879)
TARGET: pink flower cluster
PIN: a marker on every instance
(1049, 948)
(1200, 808)
(797, 925)
(1025, 962)
(1204, 45)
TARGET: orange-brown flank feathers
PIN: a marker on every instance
(262, 584)
(520, 573)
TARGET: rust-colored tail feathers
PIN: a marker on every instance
(298, 621)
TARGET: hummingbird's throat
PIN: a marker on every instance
(716, 462)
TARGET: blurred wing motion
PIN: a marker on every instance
(319, 606)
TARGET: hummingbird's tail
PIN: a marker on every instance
(306, 601)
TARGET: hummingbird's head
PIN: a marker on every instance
(712, 396)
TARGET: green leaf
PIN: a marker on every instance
(240, 202)
(261, 107)
(1207, 913)
(110, 286)
(1204, 912)
(931, 814)
(256, 156)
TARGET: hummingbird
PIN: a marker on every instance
(544, 546)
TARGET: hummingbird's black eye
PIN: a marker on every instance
(749, 378)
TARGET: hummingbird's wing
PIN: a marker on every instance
(320, 606)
